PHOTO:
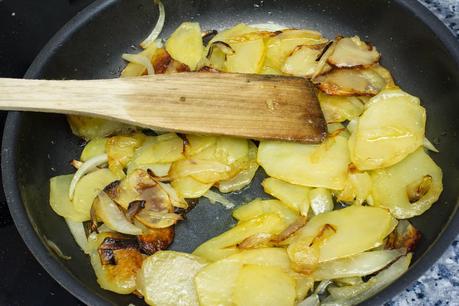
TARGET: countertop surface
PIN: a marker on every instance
(26, 283)
(440, 284)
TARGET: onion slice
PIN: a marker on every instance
(78, 232)
(141, 60)
(357, 265)
(85, 168)
(353, 295)
(112, 216)
(218, 198)
(53, 246)
(158, 26)
(312, 300)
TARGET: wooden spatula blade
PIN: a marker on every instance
(244, 105)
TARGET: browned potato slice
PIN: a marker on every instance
(351, 52)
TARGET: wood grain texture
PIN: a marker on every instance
(250, 106)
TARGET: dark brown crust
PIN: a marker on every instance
(161, 61)
(407, 239)
(156, 240)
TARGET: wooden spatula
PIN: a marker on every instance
(244, 105)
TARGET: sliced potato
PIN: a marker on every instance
(225, 244)
(303, 61)
(60, 201)
(89, 187)
(93, 148)
(350, 82)
(120, 277)
(215, 283)
(205, 171)
(281, 46)
(322, 165)
(166, 278)
(258, 208)
(387, 76)
(351, 52)
(339, 108)
(357, 229)
(189, 188)
(295, 196)
(231, 149)
(260, 285)
(247, 58)
(89, 128)
(391, 186)
(197, 143)
(165, 148)
(120, 150)
(185, 44)
(391, 127)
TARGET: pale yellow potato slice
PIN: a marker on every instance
(391, 186)
(231, 149)
(258, 208)
(185, 44)
(89, 187)
(355, 229)
(198, 143)
(320, 200)
(166, 148)
(225, 244)
(60, 201)
(216, 281)
(279, 47)
(322, 165)
(167, 279)
(189, 188)
(248, 56)
(295, 196)
(302, 62)
(340, 108)
(260, 285)
(391, 127)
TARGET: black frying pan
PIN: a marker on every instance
(416, 47)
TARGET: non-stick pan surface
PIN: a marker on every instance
(417, 48)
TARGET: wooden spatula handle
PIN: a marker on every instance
(252, 106)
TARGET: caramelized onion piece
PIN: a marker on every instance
(291, 229)
(223, 46)
(255, 241)
(134, 208)
(353, 52)
(419, 188)
(404, 236)
(349, 82)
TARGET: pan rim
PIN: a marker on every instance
(77, 288)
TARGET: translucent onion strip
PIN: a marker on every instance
(158, 27)
(78, 233)
(141, 60)
(218, 198)
(85, 168)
